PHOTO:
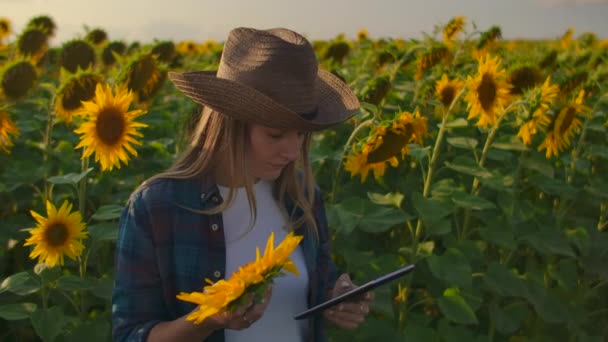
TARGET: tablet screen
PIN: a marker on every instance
(356, 291)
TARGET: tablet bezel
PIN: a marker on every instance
(356, 291)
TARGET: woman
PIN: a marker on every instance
(245, 173)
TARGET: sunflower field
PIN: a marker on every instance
(483, 161)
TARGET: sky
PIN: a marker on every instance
(199, 20)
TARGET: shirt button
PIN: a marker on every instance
(217, 274)
(215, 199)
(214, 227)
(203, 195)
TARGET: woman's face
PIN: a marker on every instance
(272, 149)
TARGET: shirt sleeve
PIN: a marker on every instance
(137, 298)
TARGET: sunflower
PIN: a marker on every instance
(187, 47)
(57, 235)
(488, 93)
(564, 126)
(77, 88)
(33, 43)
(17, 78)
(566, 38)
(97, 37)
(337, 51)
(452, 29)
(523, 78)
(77, 54)
(251, 277)
(487, 42)
(5, 28)
(142, 74)
(446, 90)
(110, 127)
(430, 58)
(44, 23)
(7, 126)
(164, 51)
(376, 90)
(362, 35)
(108, 53)
(540, 101)
(402, 292)
(384, 144)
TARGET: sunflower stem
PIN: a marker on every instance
(362, 125)
(482, 161)
(50, 121)
(433, 160)
(82, 191)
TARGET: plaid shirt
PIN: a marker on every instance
(164, 249)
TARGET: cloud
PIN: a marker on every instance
(570, 3)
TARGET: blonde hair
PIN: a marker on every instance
(221, 137)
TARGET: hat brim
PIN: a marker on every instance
(336, 102)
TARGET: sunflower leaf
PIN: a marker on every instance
(48, 323)
(17, 311)
(455, 308)
(69, 178)
(107, 213)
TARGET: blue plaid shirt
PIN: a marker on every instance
(164, 249)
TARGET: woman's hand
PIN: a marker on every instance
(243, 316)
(348, 314)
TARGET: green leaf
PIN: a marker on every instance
(92, 331)
(17, 311)
(537, 164)
(469, 169)
(553, 187)
(502, 281)
(391, 198)
(463, 142)
(465, 200)
(597, 188)
(20, 283)
(103, 288)
(566, 274)
(457, 123)
(419, 332)
(451, 267)
(362, 214)
(581, 240)
(103, 232)
(600, 151)
(508, 319)
(430, 209)
(548, 242)
(455, 308)
(48, 323)
(107, 212)
(549, 307)
(69, 178)
(512, 145)
(73, 283)
(499, 235)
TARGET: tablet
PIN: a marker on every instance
(356, 291)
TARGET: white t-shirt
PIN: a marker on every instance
(289, 293)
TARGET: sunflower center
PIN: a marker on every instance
(110, 126)
(392, 143)
(447, 95)
(568, 118)
(56, 234)
(487, 92)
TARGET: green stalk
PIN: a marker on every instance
(482, 160)
(434, 156)
(82, 191)
(362, 125)
(50, 121)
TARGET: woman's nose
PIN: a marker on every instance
(291, 150)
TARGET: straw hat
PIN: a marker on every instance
(271, 77)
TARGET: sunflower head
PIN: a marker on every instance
(77, 54)
(548, 60)
(569, 84)
(57, 235)
(75, 89)
(5, 28)
(108, 54)
(384, 57)
(523, 78)
(376, 89)
(32, 42)
(337, 51)
(97, 36)
(453, 28)
(17, 79)
(7, 128)
(436, 54)
(488, 92)
(44, 23)
(149, 91)
(164, 51)
(187, 47)
(142, 72)
(446, 90)
(109, 129)
(489, 37)
(362, 34)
